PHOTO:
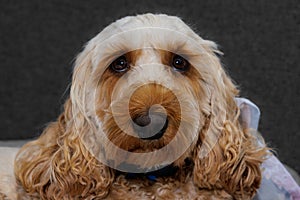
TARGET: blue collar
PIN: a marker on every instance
(167, 171)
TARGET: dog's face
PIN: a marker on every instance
(150, 89)
(146, 92)
(153, 99)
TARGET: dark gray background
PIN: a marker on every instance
(260, 39)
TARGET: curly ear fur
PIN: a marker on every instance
(58, 165)
(227, 156)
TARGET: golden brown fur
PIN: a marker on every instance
(57, 165)
(225, 158)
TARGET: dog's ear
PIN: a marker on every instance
(58, 165)
(227, 156)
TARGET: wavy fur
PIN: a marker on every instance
(225, 159)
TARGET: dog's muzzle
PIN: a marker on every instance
(150, 126)
(152, 108)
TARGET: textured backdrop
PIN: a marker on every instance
(260, 39)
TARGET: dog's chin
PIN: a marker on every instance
(183, 162)
(139, 145)
(148, 146)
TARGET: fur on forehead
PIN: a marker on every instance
(157, 31)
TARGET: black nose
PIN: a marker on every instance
(150, 126)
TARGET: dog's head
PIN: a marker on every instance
(150, 85)
(148, 92)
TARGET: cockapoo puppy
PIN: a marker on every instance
(151, 115)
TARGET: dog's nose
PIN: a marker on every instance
(142, 120)
(150, 126)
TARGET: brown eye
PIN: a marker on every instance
(120, 64)
(179, 63)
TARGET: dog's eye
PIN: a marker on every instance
(179, 63)
(120, 64)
